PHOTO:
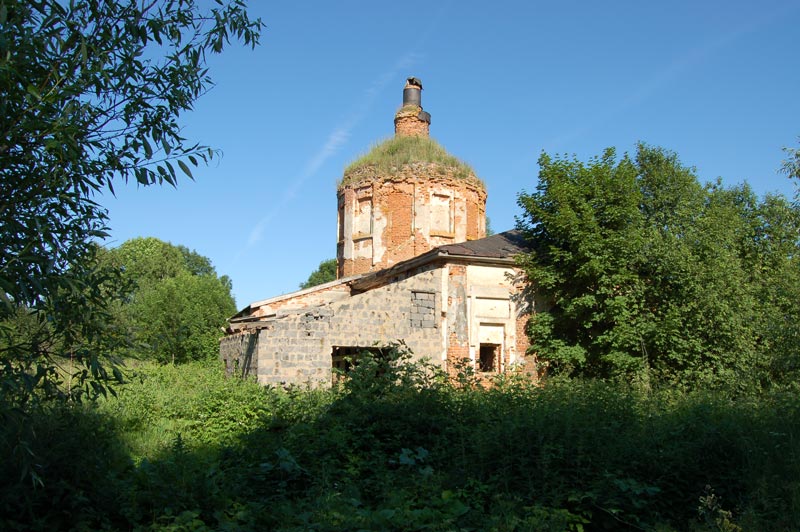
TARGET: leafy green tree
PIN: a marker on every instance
(176, 306)
(196, 263)
(149, 260)
(91, 91)
(791, 165)
(643, 271)
(325, 273)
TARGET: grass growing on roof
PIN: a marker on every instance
(389, 156)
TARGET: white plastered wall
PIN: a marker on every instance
(492, 312)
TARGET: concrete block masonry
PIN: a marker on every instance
(297, 347)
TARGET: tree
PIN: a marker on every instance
(325, 273)
(176, 305)
(644, 271)
(91, 91)
(791, 166)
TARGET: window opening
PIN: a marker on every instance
(488, 358)
(344, 358)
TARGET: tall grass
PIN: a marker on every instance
(397, 447)
(198, 404)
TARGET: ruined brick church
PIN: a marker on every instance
(414, 264)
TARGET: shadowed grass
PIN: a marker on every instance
(398, 447)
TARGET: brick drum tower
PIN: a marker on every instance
(406, 196)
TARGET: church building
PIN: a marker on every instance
(414, 264)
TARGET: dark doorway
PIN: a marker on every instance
(489, 359)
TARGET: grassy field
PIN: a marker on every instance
(397, 447)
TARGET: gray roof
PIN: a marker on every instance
(501, 246)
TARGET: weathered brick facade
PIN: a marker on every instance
(413, 265)
(384, 220)
(407, 122)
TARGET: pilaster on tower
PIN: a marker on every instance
(406, 196)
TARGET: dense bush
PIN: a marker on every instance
(397, 447)
(64, 478)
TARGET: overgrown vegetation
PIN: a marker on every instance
(646, 273)
(389, 156)
(91, 92)
(174, 305)
(398, 447)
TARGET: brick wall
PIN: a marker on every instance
(408, 124)
(411, 126)
(403, 220)
(528, 360)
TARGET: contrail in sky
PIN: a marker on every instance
(341, 133)
(336, 139)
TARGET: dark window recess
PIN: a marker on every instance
(341, 220)
(489, 358)
(343, 358)
(423, 309)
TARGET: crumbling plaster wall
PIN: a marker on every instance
(384, 220)
(484, 307)
(297, 347)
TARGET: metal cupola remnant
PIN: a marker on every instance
(412, 92)
(411, 120)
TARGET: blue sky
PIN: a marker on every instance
(718, 82)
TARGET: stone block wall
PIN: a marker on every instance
(442, 312)
(297, 347)
(239, 353)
